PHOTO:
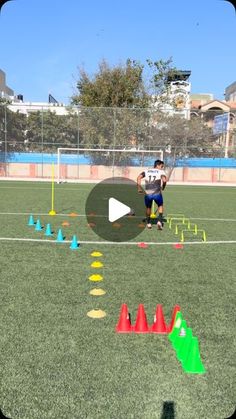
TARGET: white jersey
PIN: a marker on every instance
(153, 181)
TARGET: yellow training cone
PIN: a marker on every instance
(97, 291)
(96, 278)
(96, 254)
(96, 314)
(97, 264)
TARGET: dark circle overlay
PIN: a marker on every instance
(97, 205)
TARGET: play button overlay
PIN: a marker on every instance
(114, 210)
(117, 210)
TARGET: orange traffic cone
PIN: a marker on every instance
(124, 325)
(175, 310)
(159, 325)
(141, 325)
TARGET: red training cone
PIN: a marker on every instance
(159, 325)
(124, 325)
(141, 325)
(175, 310)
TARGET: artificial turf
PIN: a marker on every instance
(56, 362)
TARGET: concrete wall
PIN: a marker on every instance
(92, 173)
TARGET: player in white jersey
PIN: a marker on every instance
(155, 183)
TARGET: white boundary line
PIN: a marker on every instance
(93, 181)
(116, 243)
(99, 216)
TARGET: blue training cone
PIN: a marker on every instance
(60, 237)
(38, 226)
(48, 231)
(31, 221)
(74, 244)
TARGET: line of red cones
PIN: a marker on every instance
(141, 325)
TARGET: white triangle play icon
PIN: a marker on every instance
(116, 210)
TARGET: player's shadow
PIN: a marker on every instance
(168, 410)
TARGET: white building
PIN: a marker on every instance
(29, 107)
(18, 105)
(179, 94)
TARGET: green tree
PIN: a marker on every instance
(12, 129)
(161, 73)
(46, 131)
(181, 138)
(115, 87)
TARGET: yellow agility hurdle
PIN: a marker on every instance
(193, 230)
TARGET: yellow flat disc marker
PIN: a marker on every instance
(96, 314)
(97, 291)
(97, 264)
(96, 254)
(96, 278)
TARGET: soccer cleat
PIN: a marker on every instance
(159, 225)
(149, 225)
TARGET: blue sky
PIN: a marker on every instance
(44, 42)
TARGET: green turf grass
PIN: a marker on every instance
(56, 362)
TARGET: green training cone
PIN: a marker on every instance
(176, 328)
(48, 231)
(31, 221)
(38, 226)
(177, 340)
(183, 349)
(193, 363)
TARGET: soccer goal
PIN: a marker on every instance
(94, 165)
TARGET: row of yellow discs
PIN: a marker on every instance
(96, 313)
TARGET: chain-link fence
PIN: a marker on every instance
(32, 135)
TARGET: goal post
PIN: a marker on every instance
(96, 164)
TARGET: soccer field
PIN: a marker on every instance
(56, 362)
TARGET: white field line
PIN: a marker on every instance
(104, 216)
(95, 181)
(115, 243)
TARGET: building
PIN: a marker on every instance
(29, 107)
(5, 91)
(230, 93)
(179, 89)
(219, 115)
(17, 103)
(199, 99)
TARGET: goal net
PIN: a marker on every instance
(94, 165)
